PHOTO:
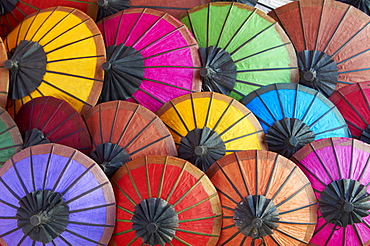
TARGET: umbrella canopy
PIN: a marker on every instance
(331, 41)
(54, 195)
(241, 48)
(14, 11)
(55, 52)
(207, 125)
(264, 5)
(293, 115)
(51, 120)
(175, 8)
(338, 171)
(4, 76)
(265, 198)
(122, 131)
(10, 138)
(165, 200)
(151, 58)
(353, 103)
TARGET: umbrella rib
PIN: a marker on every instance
(128, 124)
(364, 169)
(119, 27)
(262, 51)
(234, 124)
(225, 207)
(190, 189)
(89, 224)
(47, 168)
(302, 25)
(86, 192)
(8, 217)
(209, 110)
(78, 179)
(151, 95)
(293, 195)
(228, 227)
(322, 116)
(29, 5)
(336, 29)
(265, 105)
(319, 28)
(23, 238)
(333, 129)
(133, 183)
(252, 38)
(169, 85)
(42, 24)
(177, 181)
(150, 144)
(8, 129)
(170, 128)
(91, 208)
(10, 232)
(126, 210)
(147, 176)
(182, 241)
(243, 241)
(162, 177)
(68, 44)
(65, 92)
(309, 171)
(357, 234)
(169, 51)
(207, 28)
(265, 69)
(19, 30)
(352, 156)
(280, 101)
(296, 223)
(197, 233)
(271, 175)
(9, 147)
(74, 75)
(52, 116)
(227, 196)
(364, 96)
(355, 70)
(193, 110)
(222, 115)
(273, 239)
(157, 7)
(242, 173)
(229, 180)
(288, 235)
(330, 236)
(132, 241)
(63, 170)
(55, 25)
(284, 183)
(75, 58)
(200, 202)
(344, 82)
(239, 29)
(114, 120)
(139, 133)
(349, 40)
(18, 176)
(223, 25)
(321, 162)
(296, 209)
(201, 218)
(82, 237)
(65, 240)
(230, 238)
(8, 204)
(310, 106)
(179, 115)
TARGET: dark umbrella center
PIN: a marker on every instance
(256, 216)
(6, 6)
(155, 221)
(27, 64)
(34, 137)
(202, 147)
(124, 72)
(110, 157)
(318, 71)
(43, 215)
(288, 135)
(218, 70)
(344, 202)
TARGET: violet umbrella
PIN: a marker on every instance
(338, 169)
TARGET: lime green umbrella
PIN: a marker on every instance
(242, 49)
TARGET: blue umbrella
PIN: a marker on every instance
(293, 115)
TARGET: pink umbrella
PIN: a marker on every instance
(151, 58)
(339, 172)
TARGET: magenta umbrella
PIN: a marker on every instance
(151, 58)
(339, 172)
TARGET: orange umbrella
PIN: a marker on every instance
(4, 76)
(265, 198)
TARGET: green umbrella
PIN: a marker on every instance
(242, 49)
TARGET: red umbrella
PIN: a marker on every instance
(353, 102)
(13, 11)
(52, 120)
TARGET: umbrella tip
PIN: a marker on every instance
(309, 75)
(9, 64)
(107, 66)
(35, 220)
(200, 150)
(102, 3)
(205, 72)
(293, 141)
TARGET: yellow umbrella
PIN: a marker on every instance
(55, 52)
(207, 125)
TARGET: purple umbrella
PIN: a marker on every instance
(338, 169)
(55, 195)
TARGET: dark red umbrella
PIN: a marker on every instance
(51, 120)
